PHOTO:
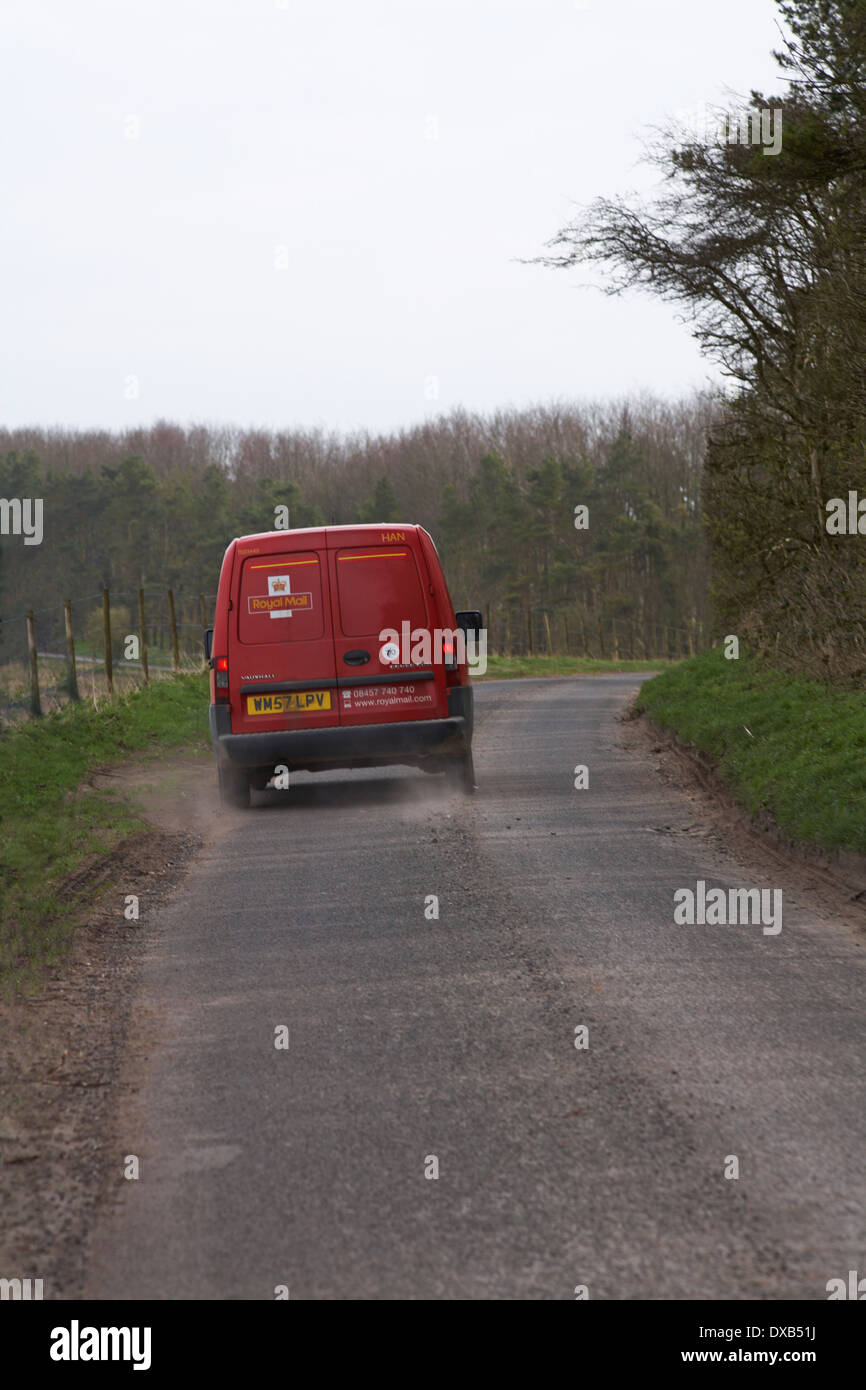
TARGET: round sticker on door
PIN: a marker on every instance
(390, 652)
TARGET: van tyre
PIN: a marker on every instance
(461, 773)
(234, 787)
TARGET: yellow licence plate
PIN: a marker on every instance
(299, 702)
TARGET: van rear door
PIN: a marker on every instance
(380, 585)
(281, 657)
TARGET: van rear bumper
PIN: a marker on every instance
(351, 745)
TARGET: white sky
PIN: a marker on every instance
(161, 158)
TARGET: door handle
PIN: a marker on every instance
(356, 658)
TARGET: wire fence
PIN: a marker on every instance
(108, 641)
(98, 645)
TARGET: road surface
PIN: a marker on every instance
(413, 1039)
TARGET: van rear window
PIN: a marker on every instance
(379, 587)
(281, 599)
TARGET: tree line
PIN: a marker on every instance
(572, 527)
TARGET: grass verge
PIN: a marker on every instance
(790, 747)
(50, 824)
(502, 667)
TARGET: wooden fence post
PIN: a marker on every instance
(142, 637)
(203, 608)
(175, 651)
(547, 632)
(35, 702)
(106, 638)
(71, 673)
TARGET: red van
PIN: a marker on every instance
(337, 647)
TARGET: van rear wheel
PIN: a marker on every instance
(461, 773)
(234, 787)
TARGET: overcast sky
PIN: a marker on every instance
(310, 212)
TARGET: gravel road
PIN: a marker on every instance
(416, 1041)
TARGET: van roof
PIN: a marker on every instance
(338, 531)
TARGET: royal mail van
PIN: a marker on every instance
(337, 647)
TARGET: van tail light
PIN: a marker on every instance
(221, 678)
(449, 661)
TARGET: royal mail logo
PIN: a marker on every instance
(280, 603)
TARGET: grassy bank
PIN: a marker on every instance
(49, 826)
(791, 747)
(500, 667)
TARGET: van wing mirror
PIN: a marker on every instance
(208, 642)
(470, 621)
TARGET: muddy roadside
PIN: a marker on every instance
(834, 881)
(62, 1048)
